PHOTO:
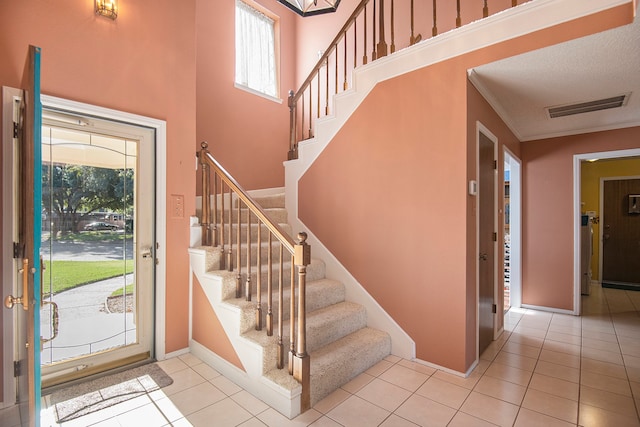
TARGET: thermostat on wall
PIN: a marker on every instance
(473, 187)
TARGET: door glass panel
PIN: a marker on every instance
(88, 211)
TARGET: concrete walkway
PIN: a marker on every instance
(85, 326)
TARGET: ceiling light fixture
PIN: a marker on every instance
(108, 8)
(311, 7)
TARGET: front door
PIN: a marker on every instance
(486, 241)
(621, 233)
(97, 244)
(22, 263)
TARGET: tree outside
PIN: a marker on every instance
(73, 193)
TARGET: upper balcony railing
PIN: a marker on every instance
(363, 38)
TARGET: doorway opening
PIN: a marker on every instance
(97, 245)
(512, 231)
(587, 193)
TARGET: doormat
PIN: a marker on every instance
(622, 286)
(81, 399)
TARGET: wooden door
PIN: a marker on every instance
(486, 243)
(621, 234)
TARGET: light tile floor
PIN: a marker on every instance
(546, 369)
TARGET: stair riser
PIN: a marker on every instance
(315, 271)
(264, 233)
(264, 254)
(266, 202)
(277, 215)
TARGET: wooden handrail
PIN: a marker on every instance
(300, 253)
(285, 239)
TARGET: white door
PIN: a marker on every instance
(98, 211)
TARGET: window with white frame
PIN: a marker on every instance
(255, 50)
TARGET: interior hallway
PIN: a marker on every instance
(547, 369)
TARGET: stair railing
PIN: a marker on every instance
(218, 217)
(365, 28)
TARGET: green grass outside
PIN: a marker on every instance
(70, 274)
(128, 290)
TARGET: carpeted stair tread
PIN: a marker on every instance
(324, 326)
(339, 362)
(320, 293)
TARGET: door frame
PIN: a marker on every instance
(9, 96)
(480, 128)
(159, 126)
(577, 210)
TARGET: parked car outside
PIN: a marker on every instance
(95, 226)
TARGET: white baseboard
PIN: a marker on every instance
(288, 406)
(548, 309)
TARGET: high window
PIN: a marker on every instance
(255, 50)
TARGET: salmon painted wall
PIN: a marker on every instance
(590, 190)
(479, 110)
(247, 134)
(388, 196)
(142, 63)
(547, 226)
(207, 329)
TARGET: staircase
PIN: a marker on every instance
(339, 343)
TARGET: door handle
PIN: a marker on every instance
(484, 257)
(10, 301)
(55, 320)
(146, 252)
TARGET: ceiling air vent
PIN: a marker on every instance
(585, 107)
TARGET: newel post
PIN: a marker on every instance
(293, 145)
(301, 360)
(205, 212)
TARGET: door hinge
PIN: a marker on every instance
(495, 237)
(17, 368)
(494, 309)
(16, 129)
(495, 164)
(18, 250)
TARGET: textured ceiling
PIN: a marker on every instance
(603, 65)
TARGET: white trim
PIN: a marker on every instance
(284, 401)
(177, 353)
(258, 93)
(448, 370)
(601, 215)
(160, 127)
(547, 309)
(9, 95)
(577, 210)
